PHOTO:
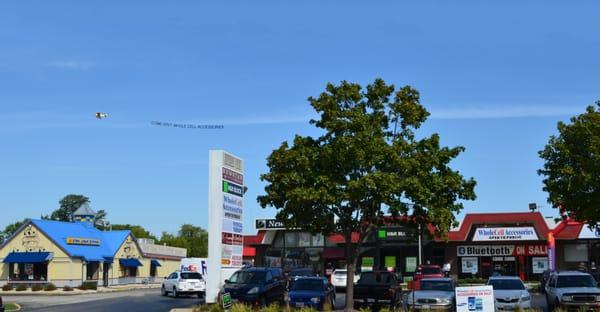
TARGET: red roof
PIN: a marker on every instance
(252, 240)
(567, 230)
(534, 218)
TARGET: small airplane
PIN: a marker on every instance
(101, 115)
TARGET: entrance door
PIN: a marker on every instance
(105, 270)
(505, 266)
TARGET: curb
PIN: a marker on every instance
(70, 293)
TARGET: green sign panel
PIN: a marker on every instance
(226, 300)
(367, 264)
(382, 234)
(411, 264)
(390, 261)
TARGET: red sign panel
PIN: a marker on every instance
(233, 176)
(531, 250)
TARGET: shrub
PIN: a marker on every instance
(274, 307)
(88, 286)
(49, 287)
(240, 307)
(21, 287)
(7, 287)
(471, 280)
(37, 287)
(67, 288)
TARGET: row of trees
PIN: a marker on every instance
(193, 238)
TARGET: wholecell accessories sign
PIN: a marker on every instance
(505, 234)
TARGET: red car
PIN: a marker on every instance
(426, 271)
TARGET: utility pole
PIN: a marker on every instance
(420, 247)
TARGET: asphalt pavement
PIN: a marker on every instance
(147, 300)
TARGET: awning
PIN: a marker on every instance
(249, 252)
(28, 257)
(155, 262)
(134, 263)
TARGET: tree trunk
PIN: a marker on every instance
(350, 267)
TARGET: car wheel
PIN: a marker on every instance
(163, 291)
(263, 302)
(556, 305)
(175, 294)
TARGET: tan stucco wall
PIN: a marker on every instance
(129, 249)
(31, 239)
(167, 267)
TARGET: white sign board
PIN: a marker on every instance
(475, 299)
(540, 264)
(485, 250)
(505, 234)
(587, 233)
(225, 215)
(469, 265)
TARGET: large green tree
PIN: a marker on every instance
(367, 162)
(572, 167)
(9, 230)
(193, 238)
(68, 205)
(137, 230)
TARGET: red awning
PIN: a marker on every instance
(249, 252)
(334, 253)
(339, 238)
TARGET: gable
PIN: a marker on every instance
(29, 238)
(128, 249)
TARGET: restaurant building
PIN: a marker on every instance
(71, 253)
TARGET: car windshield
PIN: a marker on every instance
(247, 277)
(375, 278)
(507, 284)
(308, 284)
(191, 276)
(576, 281)
(436, 285)
(430, 271)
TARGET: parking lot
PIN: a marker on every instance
(538, 301)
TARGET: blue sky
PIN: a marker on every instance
(495, 76)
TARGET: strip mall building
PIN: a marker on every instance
(70, 253)
(483, 243)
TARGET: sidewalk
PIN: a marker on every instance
(60, 292)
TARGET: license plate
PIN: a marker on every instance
(300, 304)
(370, 300)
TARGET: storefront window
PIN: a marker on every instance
(29, 271)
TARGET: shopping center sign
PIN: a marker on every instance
(505, 234)
(226, 214)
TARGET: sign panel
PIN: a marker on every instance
(587, 233)
(539, 264)
(394, 233)
(470, 265)
(269, 224)
(83, 241)
(390, 261)
(226, 215)
(226, 300)
(367, 264)
(411, 264)
(502, 250)
(475, 299)
(505, 234)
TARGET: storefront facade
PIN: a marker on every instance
(71, 253)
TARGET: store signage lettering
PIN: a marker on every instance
(505, 234)
(83, 241)
(502, 250)
(396, 233)
(270, 224)
(233, 176)
(234, 189)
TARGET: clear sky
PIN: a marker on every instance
(496, 76)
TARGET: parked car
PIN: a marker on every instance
(510, 293)
(338, 278)
(314, 292)
(572, 290)
(256, 286)
(434, 294)
(544, 279)
(183, 283)
(426, 271)
(377, 288)
(294, 274)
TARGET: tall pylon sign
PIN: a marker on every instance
(225, 219)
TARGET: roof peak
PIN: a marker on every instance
(84, 210)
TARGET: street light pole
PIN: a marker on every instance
(420, 247)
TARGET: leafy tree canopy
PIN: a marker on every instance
(137, 230)
(193, 238)
(68, 205)
(10, 230)
(367, 160)
(572, 167)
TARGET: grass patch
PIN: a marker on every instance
(10, 307)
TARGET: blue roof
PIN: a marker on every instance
(109, 242)
(28, 257)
